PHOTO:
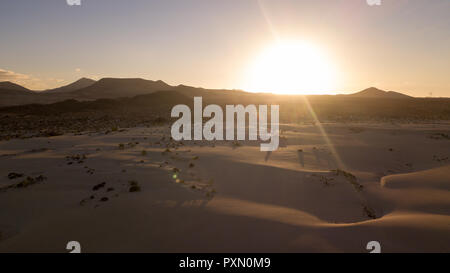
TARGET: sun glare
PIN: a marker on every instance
(292, 67)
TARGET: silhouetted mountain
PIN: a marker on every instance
(79, 84)
(14, 94)
(110, 88)
(104, 88)
(114, 88)
(12, 86)
(374, 92)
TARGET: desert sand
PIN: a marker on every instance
(136, 190)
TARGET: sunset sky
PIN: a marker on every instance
(400, 45)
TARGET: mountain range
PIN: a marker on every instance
(109, 88)
(138, 99)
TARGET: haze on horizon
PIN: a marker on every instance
(255, 45)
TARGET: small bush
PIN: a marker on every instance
(134, 186)
(98, 186)
(14, 175)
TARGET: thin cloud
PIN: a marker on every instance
(6, 75)
(29, 81)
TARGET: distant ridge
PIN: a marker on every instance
(79, 84)
(373, 92)
(12, 86)
(112, 88)
(120, 87)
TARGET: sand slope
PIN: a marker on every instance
(215, 196)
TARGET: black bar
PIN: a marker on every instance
(227, 262)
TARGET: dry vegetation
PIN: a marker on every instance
(108, 115)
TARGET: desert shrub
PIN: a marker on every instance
(134, 186)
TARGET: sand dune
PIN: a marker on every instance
(437, 178)
(135, 190)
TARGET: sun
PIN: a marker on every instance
(292, 67)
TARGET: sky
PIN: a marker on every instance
(400, 45)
